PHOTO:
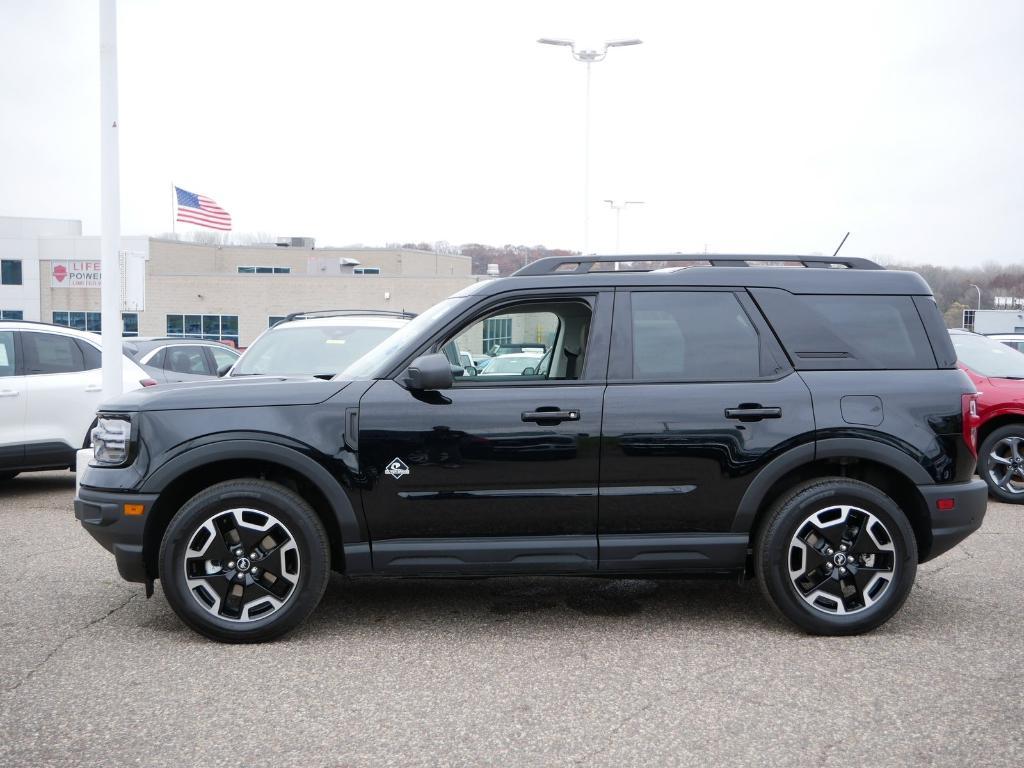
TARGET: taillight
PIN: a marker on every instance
(148, 382)
(969, 414)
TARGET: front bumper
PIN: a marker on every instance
(102, 515)
(950, 527)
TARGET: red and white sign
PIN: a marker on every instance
(75, 274)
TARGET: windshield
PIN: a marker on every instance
(309, 350)
(376, 362)
(987, 357)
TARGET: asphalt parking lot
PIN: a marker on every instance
(531, 671)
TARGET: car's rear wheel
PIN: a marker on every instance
(244, 561)
(836, 556)
(1001, 463)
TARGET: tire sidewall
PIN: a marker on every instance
(261, 496)
(1010, 430)
(774, 557)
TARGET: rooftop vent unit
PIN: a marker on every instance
(296, 242)
(345, 261)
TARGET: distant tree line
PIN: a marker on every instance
(953, 291)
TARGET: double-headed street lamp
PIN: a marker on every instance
(617, 207)
(588, 57)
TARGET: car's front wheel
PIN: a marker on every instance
(244, 561)
(1001, 463)
(836, 556)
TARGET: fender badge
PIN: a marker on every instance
(397, 468)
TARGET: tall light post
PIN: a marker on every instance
(110, 204)
(972, 285)
(617, 207)
(588, 56)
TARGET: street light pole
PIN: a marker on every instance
(588, 57)
(972, 285)
(617, 207)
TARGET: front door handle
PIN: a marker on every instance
(752, 412)
(94, 388)
(552, 416)
(8, 393)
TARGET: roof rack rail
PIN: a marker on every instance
(576, 265)
(344, 312)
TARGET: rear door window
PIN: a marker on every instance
(186, 359)
(52, 353)
(848, 332)
(693, 336)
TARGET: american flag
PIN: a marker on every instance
(201, 210)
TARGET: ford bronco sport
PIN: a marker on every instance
(798, 419)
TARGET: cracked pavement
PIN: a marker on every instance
(531, 671)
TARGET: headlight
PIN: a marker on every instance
(111, 440)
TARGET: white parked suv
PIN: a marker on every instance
(321, 343)
(51, 385)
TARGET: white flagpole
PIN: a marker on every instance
(110, 204)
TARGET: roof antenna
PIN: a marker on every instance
(841, 244)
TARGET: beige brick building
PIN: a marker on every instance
(232, 293)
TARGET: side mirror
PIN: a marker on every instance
(223, 370)
(529, 371)
(429, 372)
(471, 370)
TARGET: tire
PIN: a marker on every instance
(812, 581)
(1005, 480)
(6, 476)
(285, 552)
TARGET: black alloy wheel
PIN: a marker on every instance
(836, 556)
(244, 561)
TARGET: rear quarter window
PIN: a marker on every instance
(848, 332)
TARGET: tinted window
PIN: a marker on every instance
(693, 336)
(93, 359)
(10, 272)
(6, 353)
(50, 353)
(186, 360)
(832, 332)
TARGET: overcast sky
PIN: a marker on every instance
(763, 127)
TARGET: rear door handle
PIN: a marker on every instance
(94, 388)
(552, 417)
(8, 393)
(753, 412)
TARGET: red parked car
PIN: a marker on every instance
(998, 372)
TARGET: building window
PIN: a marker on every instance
(968, 321)
(129, 324)
(209, 327)
(264, 270)
(366, 270)
(497, 333)
(10, 272)
(11, 314)
(80, 321)
(274, 320)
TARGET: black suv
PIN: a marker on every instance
(801, 419)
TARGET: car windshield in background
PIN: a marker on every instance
(309, 350)
(987, 357)
(376, 362)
